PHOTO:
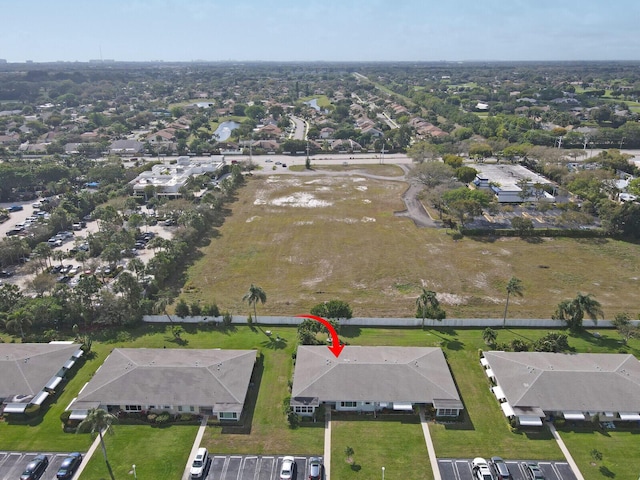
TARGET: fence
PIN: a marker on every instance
(389, 322)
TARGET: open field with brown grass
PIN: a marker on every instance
(307, 239)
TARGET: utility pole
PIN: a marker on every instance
(382, 154)
(621, 142)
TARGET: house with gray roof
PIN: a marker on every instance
(533, 385)
(30, 372)
(210, 382)
(369, 379)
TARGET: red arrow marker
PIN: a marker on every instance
(336, 347)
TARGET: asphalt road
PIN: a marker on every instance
(460, 469)
(12, 464)
(252, 467)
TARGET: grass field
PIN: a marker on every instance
(309, 239)
(393, 442)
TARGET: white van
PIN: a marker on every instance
(199, 465)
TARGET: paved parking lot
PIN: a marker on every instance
(252, 467)
(460, 469)
(12, 464)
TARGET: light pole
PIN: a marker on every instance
(382, 473)
(135, 477)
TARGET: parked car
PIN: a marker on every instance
(69, 466)
(5, 273)
(316, 469)
(501, 469)
(532, 469)
(199, 464)
(74, 270)
(35, 468)
(15, 208)
(288, 469)
(481, 470)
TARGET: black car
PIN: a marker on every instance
(5, 273)
(69, 465)
(35, 468)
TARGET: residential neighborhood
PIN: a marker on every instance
(464, 235)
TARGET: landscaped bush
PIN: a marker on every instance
(163, 418)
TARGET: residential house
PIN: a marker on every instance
(210, 382)
(126, 147)
(370, 379)
(532, 386)
(30, 372)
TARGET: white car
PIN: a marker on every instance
(481, 470)
(288, 469)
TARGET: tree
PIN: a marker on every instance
(182, 309)
(524, 226)
(480, 150)
(349, 452)
(432, 174)
(333, 309)
(19, 320)
(489, 335)
(99, 420)
(421, 151)
(465, 174)
(572, 312)
(552, 342)
(514, 287)
(622, 324)
(253, 296)
(428, 306)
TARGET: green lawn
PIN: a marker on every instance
(157, 453)
(620, 452)
(484, 431)
(393, 442)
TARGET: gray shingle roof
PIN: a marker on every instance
(373, 374)
(584, 382)
(25, 368)
(140, 376)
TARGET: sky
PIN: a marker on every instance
(313, 30)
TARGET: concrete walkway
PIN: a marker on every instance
(87, 456)
(432, 451)
(565, 451)
(194, 449)
(327, 443)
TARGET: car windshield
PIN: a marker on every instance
(197, 463)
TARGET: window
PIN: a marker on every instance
(228, 416)
(167, 407)
(133, 408)
(447, 412)
(303, 409)
(179, 408)
(192, 408)
(348, 404)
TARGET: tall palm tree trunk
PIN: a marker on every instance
(506, 306)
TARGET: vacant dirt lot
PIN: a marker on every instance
(307, 239)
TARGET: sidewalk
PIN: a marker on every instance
(432, 451)
(87, 457)
(194, 449)
(565, 451)
(327, 443)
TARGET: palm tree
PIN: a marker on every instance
(489, 336)
(99, 420)
(428, 305)
(253, 296)
(18, 320)
(573, 311)
(514, 287)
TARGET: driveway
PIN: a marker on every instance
(460, 469)
(12, 464)
(252, 467)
